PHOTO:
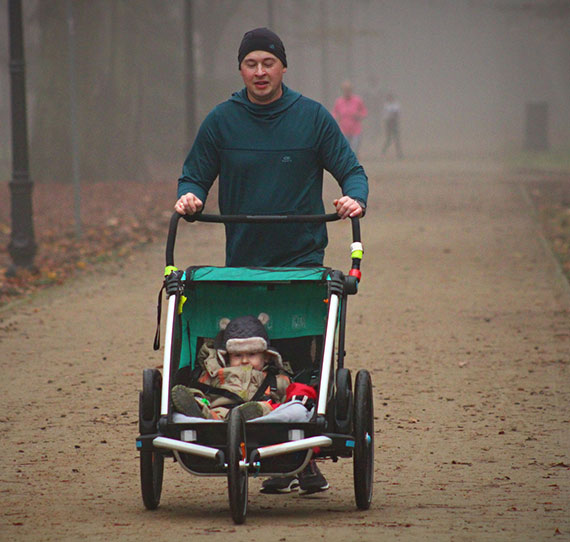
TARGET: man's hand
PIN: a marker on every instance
(346, 207)
(188, 204)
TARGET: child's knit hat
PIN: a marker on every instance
(246, 334)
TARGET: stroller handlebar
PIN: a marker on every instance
(259, 219)
(249, 219)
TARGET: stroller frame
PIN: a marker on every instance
(342, 424)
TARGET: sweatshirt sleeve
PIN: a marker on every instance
(202, 164)
(338, 158)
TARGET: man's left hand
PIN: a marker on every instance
(346, 207)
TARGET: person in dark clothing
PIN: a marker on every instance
(269, 145)
(391, 116)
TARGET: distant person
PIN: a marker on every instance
(349, 111)
(391, 118)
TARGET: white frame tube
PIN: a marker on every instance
(328, 353)
(264, 451)
(186, 447)
(168, 337)
(293, 446)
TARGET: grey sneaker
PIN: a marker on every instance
(184, 402)
(251, 410)
(311, 479)
(284, 484)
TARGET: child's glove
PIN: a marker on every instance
(303, 393)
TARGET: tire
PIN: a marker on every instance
(363, 456)
(343, 401)
(237, 477)
(149, 401)
(151, 462)
(152, 470)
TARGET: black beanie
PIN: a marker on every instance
(262, 39)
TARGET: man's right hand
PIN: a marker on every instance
(188, 204)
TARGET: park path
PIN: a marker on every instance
(462, 318)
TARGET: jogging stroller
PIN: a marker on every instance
(307, 306)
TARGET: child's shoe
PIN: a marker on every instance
(185, 403)
(251, 410)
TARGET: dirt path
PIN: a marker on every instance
(462, 319)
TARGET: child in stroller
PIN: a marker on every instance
(241, 370)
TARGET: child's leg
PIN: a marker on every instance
(185, 402)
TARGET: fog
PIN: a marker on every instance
(464, 72)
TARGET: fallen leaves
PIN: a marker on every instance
(111, 228)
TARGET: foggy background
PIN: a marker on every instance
(463, 71)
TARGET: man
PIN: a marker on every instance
(349, 110)
(269, 146)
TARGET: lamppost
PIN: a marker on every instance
(22, 246)
(190, 72)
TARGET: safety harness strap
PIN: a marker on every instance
(156, 344)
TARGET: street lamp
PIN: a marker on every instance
(22, 247)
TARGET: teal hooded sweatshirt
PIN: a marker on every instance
(270, 160)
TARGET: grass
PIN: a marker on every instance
(552, 161)
(549, 190)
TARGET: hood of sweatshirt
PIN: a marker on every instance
(268, 111)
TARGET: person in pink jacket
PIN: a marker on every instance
(349, 111)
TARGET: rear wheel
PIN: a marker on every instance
(363, 456)
(237, 476)
(151, 462)
(343, 401)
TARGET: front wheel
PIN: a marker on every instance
(237, 474)
(152, 470)
(363, 456)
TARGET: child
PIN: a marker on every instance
(240, 367)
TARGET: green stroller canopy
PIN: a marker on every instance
(295, 299)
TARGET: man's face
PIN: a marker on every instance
(262, 73)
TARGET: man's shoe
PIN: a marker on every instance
(284, 484)
(251, 410)
(311, 480)
(184, 402)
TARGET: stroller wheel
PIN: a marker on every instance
(152, 469)
(237, 475)
(151, 462)
(343, 401)
(363, 456)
